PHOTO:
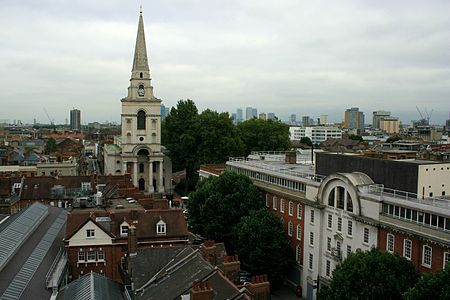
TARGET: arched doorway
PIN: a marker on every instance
(141, 183)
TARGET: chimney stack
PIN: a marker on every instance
(132, 241)
(209, 252)
(231, 267)
(202, 291)
(259, 287)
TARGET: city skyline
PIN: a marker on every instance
(295, 57)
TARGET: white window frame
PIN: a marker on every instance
(350, 228)
(311, 215)
(298, 251)
(291, 208)
(299, 232)
(100, 255)
(90, 233)
(290, 228)
(424, 256)
(446, 260)
(267, 200)
(311, 238)
(407, 247)
(81, 254)
(124, 227)
(390, 241)
(339, 224)
(274, 202)
(91, 253)
(328, 244)
(282, 205)
(311, 261)
(349, 249)
(161, 227)
(299, 211)
(328, 268)
(330, 221)
(366, 235)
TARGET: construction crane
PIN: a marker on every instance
(52, 121)
(425, 120)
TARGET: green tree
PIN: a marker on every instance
(262, 246)
(306, 140)
(355, 137)
(219, 203)
(262, 135)
(179, 135)
(218, 138)
(431, 287)
(50, 146)
(371, 275)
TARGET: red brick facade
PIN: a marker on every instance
(280, 206)
(417, 249)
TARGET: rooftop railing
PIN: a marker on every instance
(282, 169)
(380, 190)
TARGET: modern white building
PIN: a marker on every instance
(326, 218)
(138, 151)
(317, 134)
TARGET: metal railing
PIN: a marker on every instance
(383, 192)
(276, 168)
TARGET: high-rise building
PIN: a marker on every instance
(75, 119)
(263, 116)
(138, 151)
(378, 116)
(239, 116)
(271, 116)
(164, 111)
(293, 118)
(305, 121)
(323, 119)
(354, 119)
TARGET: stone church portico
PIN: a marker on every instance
(138, 151)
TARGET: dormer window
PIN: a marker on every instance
(161, 227)
(124, 229)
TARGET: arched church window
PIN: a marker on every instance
(340, 197)
(141, 168)
(141, 119)
(141, 75)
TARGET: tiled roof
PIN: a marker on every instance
(92, 286)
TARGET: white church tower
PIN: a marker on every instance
(138, 151)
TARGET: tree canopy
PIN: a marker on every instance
(264, 135)
(194, 139)
(306, 140)
(219, 203)
(50, 146)
(431, 287)
(371, 275)
(262, 246)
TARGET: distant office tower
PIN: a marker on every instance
(251, 113)
(263, 116)
(323, 119)
(233, 118)
(271, 116)
(239, 116)
(378, 116)
(390, 125)
(354, 119)
(254, 113)
(305, 121)
(447, 124)
(164, 111)
(75, 119)
(293, 118)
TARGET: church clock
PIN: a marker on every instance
(141, 91)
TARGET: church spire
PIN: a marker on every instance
(140, 61)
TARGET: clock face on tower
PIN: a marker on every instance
(141, 91)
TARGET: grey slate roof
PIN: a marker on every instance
(92, 286)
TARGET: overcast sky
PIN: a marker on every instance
(285, 56)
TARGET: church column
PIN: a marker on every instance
(135, 174)
(150, 177)
(161, 176)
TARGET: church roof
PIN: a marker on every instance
(140, 61)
